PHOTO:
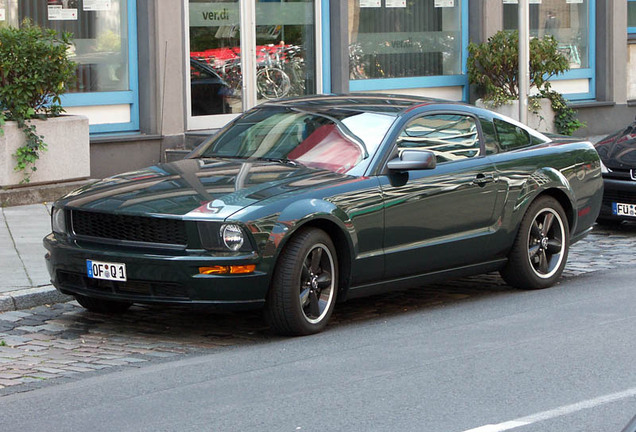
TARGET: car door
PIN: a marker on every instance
(440, 218)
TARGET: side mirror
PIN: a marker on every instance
(413, 160)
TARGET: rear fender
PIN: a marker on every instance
(550, 181)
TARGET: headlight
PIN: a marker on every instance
(233, 237)
(58, 221)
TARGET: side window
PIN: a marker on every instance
(450, 136)
(510, 136)
(491, 143)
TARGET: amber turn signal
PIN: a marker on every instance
(236, 269)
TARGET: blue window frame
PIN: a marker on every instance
(129, 96)
(429, 79)
(631, 17)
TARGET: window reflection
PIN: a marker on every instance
(567, 21)
(100, 37)
(392, 38)
(450, 137)
(285, 51)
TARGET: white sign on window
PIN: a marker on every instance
(97, 5)
(3, 16)
(396, 3)
(444, 3)
(370, 3)
(60, 13)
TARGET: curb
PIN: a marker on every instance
(31, 297)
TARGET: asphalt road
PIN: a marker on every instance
(560, 359)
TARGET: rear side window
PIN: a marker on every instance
(511, 136)
(491, 143)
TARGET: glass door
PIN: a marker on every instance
(234, 67)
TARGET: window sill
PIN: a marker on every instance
(591, 104)
(122, 137)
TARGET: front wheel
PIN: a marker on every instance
(540, 251)
(102, 305)
(304, 286)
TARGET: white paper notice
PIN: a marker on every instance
(370, 3)
(97, 5)
(396, 3)
(3, 15)
(58, 13)
(444, 3)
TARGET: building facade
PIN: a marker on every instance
(158, 75)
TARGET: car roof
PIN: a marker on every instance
(378, 103)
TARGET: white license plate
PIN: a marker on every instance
(624, 209)
(106, 270)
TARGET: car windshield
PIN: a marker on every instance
(336, 140)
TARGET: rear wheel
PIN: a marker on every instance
(540, 251)
(304, 286)
(102, 305)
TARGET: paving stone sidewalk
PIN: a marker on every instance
(24, 280)
(64, 341)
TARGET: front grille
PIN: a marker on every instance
(129, 228)
(610, 196)
(619, 174)
(150, 289)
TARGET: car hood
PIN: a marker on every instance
(618, 150)
(194, 188)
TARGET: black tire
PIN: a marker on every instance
(540, 251)
(102, 306)
(304, 286)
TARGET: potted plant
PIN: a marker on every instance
(494, 67)
(36, 143)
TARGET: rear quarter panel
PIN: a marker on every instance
(568, 170)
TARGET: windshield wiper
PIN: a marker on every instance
(279, 160)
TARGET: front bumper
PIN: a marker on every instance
(617, 191)
(155, 278)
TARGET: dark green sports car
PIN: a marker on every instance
(300, 204)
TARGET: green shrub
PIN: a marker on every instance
(493, 67)
(34, 71)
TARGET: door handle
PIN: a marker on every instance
(482, 179)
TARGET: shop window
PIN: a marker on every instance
(285, 54)
(103, 49)
(396, 39)
(631, 17)
(571, 23)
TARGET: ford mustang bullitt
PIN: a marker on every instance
(300, 204)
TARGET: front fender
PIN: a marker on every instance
(309, 211)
